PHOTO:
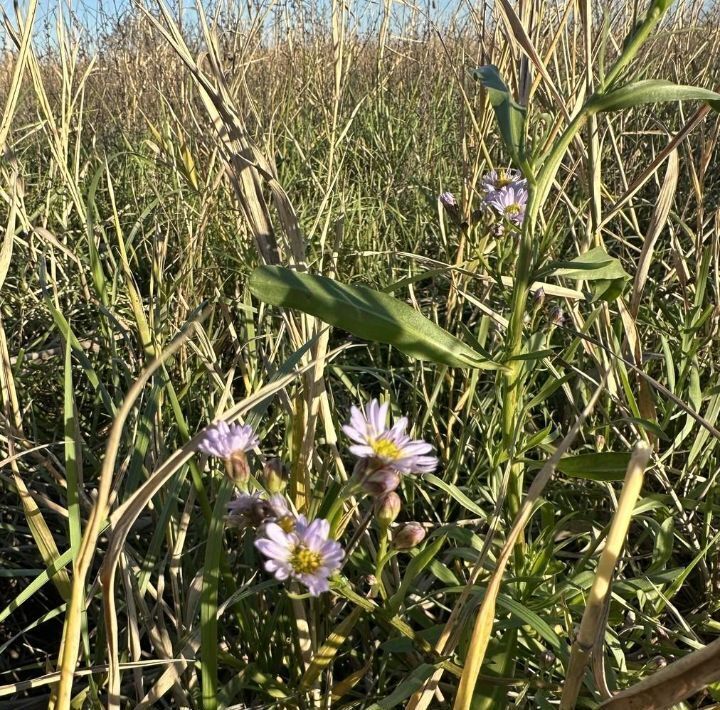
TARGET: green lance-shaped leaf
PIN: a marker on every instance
(509, 114)
(366, 313)
(418, 563)
(604, 273)
(651, 91)
(603, 466)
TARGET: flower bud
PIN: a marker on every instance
(557, 315)
(539, 297)
(388, 508)
(448, 199)
(247, 509)
(547, 658)
(378, 483)
(409, 536)
(237, 468)
(275, 476)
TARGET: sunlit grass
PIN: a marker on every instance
(137, 199)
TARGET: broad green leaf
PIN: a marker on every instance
(605, 466)
(652, 91)
(366, 313)
(509, 114)
(605, 274)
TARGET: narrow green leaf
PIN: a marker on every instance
(509, 114)
(411, 684)
(366, 313)
(662, 551)
(652, 91)
(416, 566)
(605, 466)
(532, 619)
(43, 578)
(327, 652)
(72, 455)
(454, 492)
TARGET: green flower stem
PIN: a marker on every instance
(381, 560)
(513, 377)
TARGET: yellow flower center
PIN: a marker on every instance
(386, 449)
(503, 180)
(287, 523)
(305, 561)
(513, 209)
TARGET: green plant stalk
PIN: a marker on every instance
(513, 390)
(653, 16)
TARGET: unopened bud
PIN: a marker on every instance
(557, 315)
(247, 509)
(447, 199)
(547, 658)
(410, 535)
(275, 476)
(388, 508)
(237, 468)
(378, 483)
(539, 297)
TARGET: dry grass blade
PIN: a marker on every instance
(24, 48)
(657, 223)
(522, 38)
(672, 684)
(593, 618)
(648, 172)
(71, 636)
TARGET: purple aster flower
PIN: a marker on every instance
(281, 513)
(223, 440)
(305, 554)
(498, 179)
(510, 202)
(244, 503)
(391, 447)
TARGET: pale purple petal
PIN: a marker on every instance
(223, 440)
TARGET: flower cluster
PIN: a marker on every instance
(506, 193)
(505, 196)
(294, 547)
